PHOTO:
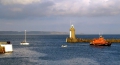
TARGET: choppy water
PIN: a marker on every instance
(47, 50)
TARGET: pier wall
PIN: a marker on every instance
(80, 40)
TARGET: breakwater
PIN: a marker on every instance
(80, 40)
(73, 39)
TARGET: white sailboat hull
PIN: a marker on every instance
(24, 43)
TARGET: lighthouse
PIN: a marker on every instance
(72, 32)
(72, 38)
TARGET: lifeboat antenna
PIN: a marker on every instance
(100, 35)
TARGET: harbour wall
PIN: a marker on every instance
(81, 40)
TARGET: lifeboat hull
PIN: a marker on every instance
(99, 44)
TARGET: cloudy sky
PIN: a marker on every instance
(87, 16)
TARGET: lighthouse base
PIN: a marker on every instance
(71, 40)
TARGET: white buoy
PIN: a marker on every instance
(64, 46)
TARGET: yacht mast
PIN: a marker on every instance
(25, 35)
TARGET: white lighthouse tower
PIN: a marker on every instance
(72, 32)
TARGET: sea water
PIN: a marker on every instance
(47, 50)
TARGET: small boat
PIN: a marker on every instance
(64, 46)
(24, 42)
(100, 42)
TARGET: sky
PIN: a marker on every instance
(87, 16)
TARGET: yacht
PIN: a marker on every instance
(24, 42)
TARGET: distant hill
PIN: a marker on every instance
(32, 33)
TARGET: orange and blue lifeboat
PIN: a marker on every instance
(100, 42)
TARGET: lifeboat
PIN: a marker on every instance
(100, 42)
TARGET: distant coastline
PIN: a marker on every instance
(43, 33)
(33, 33)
